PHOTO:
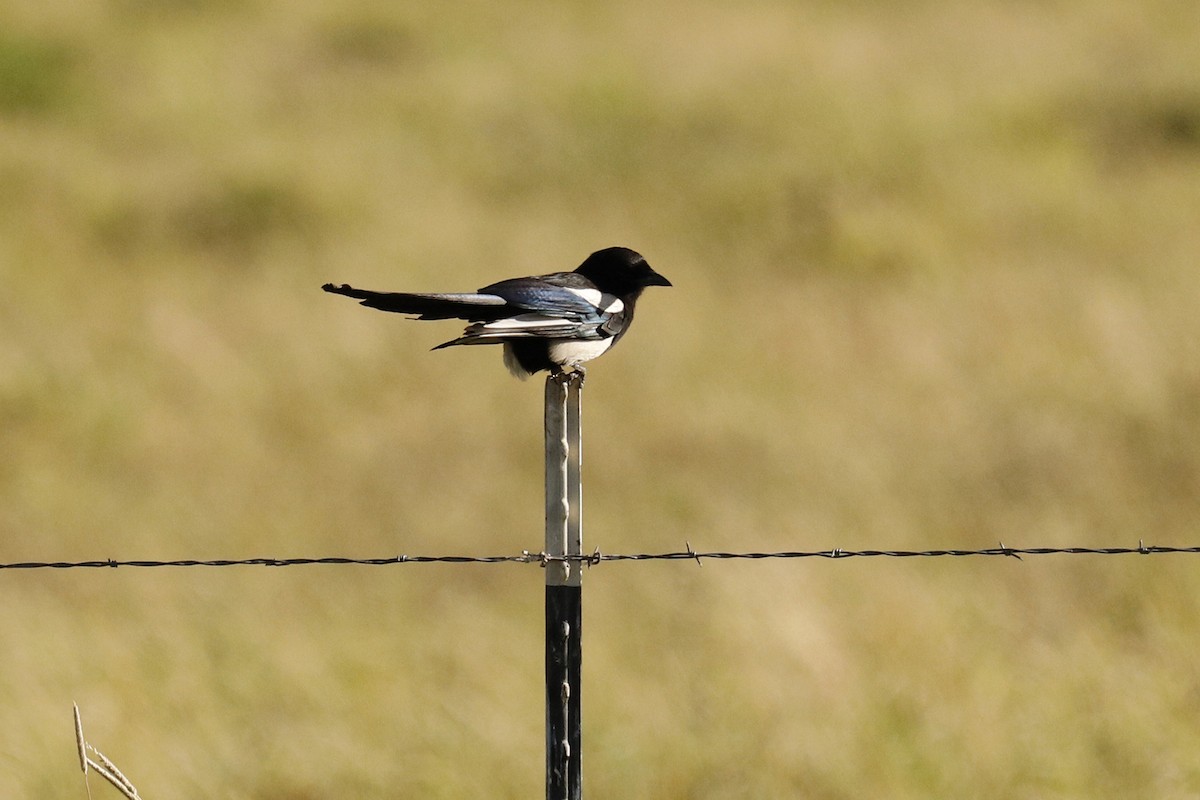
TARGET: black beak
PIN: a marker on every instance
(654, 279)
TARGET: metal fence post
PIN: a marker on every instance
(564, 537)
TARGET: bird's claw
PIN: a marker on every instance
(575, 375)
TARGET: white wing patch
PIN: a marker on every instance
(520, 323)
(606, 303)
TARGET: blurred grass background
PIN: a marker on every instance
(936, 285)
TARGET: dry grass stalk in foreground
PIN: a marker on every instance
(107, 769)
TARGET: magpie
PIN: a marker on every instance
(549, 322)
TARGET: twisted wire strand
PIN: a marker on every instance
(597, 557)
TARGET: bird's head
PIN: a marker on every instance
(620, 271)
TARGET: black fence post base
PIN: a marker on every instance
(563, 729)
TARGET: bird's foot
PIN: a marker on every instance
(575, 375)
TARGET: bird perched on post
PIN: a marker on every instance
(549, 322)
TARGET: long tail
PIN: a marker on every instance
(473, 306)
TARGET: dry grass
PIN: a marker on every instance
(936, 276)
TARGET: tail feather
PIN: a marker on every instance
(469, 306)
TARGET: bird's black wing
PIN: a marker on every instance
(560, 294)
(562, 305)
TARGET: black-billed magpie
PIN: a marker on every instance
(553, 322)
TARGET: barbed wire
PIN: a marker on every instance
(597, 557)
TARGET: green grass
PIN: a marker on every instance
(935, 284)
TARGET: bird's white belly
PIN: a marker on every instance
(574, 352)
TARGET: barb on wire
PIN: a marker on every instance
(596, 557)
